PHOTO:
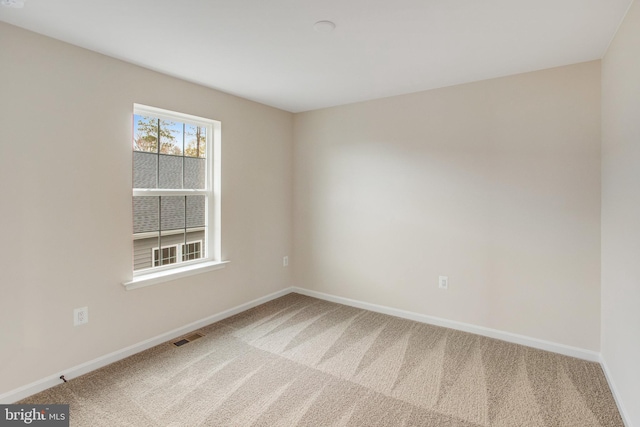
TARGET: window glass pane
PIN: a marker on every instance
(196, 245)
(172, 212)
(142, 252)
(172, 243)
(145, 134)
(171, 137)
(196, 211)
(145, 170)
(195, 141)
(170, 172)
(145, 214)
(195, 172)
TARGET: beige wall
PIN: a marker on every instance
(621, 212)
(495, 184)
(65, 168)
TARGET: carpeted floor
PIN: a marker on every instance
(300, 361)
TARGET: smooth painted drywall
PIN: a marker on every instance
(621, 213)
(66, 222)
(495, 184)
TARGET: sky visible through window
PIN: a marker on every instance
(176, 138)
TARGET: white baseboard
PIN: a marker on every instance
(566, 350)
(614, 391)
(75, 371)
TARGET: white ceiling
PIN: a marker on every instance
(268, 51)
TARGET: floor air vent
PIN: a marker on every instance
(188, 339)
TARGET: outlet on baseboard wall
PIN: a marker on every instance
(80, 316)
(285, 261)
(443, 282)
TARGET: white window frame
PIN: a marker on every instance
(211, 248)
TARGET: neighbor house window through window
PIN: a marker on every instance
(191, 250)
(168, 256)
(173, 198)
(171, 254)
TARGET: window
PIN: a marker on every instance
(175, 190)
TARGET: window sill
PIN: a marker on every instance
(175, 273)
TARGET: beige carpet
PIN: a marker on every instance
(300, 361)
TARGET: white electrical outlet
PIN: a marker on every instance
(80, 316)
(285, 261)
(443, 282)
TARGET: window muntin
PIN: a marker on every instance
(173, 189)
